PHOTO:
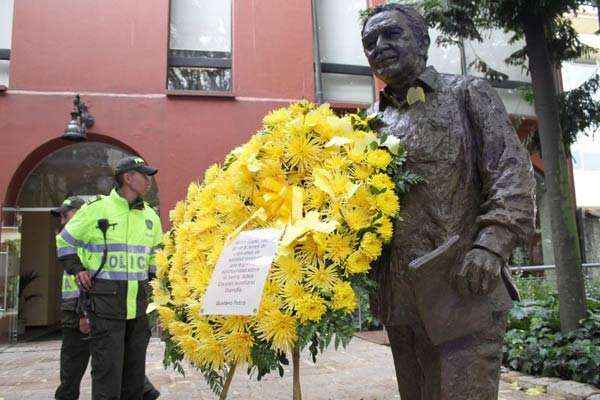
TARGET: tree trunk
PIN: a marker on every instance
(567, 256)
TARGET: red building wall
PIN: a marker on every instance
(114, 53)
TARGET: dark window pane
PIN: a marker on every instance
(199, 78)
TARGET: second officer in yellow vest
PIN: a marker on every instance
(109, 245)
(75, 350)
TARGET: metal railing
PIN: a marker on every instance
(528, 268)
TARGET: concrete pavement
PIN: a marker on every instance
(362, 371)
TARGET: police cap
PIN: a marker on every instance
(132, 163)
(70, 203)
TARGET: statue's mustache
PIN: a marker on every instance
(385, 56)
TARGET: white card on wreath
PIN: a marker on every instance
(238, 280)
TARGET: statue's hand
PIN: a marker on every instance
(479, 273)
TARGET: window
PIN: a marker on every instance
(200, 46)
(6, 17)
(343, 72)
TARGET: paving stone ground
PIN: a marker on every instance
(362, 371)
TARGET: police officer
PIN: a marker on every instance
(75, 350)
(109, 245)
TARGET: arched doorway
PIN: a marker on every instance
(29, 274)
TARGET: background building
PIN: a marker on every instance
(178, 82)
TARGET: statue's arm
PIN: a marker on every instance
(508, 186)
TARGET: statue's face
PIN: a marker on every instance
(393, 51)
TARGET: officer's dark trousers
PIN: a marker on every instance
(118, 350)
(467, 368)
(74, 357)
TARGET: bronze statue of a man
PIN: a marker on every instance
(444, 287)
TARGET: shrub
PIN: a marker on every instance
(534, 343)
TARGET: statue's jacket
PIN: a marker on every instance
(478, 185)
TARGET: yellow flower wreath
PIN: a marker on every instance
(323, 178)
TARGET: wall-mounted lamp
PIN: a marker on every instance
(81, 120)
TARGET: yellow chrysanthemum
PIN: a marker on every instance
(315, 199)
(301, 152)
(370, 245)
(234, 323)
(199, 278)
(287, 269)
(310, 308)
(344, 297)
(162, 264)
(160, 295)
(337, 163)
(387, 203)
(212, 173)
(292, 293)
(312, 248)
(357, 263)
(339, 246)
(321, 276)
(238, 346)
(201, 326)
(357, 218)
(188, 344)
(166, 315)
(179, 328)
(168, 243)
(356, 154)
(381, 181)
(176, 214)
(379, 158)
(278, 328)
(385, 229)
(361, 172)
(362, 198)
(211, 352)
(180, 292)
(277, 117)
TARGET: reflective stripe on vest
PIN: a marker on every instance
(122, 275)
(70, 290)
(99, 248)
(68, 295)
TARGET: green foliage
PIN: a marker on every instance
(25, 279)
(266, 360)
(215, 380)
(534, 343)
(579, 111)
(173, 355)
(367, 320)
